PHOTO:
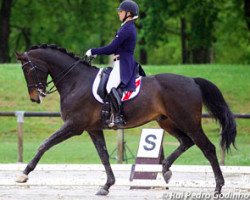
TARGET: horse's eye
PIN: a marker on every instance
(25, 70)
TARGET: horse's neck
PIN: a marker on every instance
(68, 74)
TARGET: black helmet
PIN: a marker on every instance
(129, 6)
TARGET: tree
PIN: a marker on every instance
(232, 34)
(143, 56)
(196, 30)
(247, 12)
(72, 24)
(5, 13)
(184, 50)
(169, 31)
(203, 16)
(158, 24)
(105, 24)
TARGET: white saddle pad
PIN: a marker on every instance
(127, 95)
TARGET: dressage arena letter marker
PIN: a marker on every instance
(150, 151)
(150, 143)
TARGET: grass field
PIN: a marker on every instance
(233, 80)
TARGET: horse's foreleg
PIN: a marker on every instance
(64, 133)
(100, 144)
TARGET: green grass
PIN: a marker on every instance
(233, 80)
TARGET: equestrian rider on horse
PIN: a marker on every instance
(124, 65)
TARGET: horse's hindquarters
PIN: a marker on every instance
(172, 96)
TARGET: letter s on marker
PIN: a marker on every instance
(150, 142)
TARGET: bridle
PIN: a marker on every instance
(39, 85)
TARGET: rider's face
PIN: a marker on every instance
(121, 14)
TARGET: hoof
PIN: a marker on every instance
(218, 188)
(217, 191)
(22, 178)
(167, 175)
(102, 192)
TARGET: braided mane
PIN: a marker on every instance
(63, 50)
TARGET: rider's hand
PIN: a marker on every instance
(89, 53)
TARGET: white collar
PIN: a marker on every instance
(135, 17)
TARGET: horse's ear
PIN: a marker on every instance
(18, 55)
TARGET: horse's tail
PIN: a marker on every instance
(217, 106)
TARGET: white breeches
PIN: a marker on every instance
(115, 77)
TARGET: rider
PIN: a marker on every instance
(124, 66)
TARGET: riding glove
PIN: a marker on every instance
(89, 53)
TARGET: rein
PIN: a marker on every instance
(64, 74)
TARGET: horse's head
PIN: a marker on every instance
(43, 60)
(36, 73)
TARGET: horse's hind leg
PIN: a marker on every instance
(64, 133)
(99, 142)
(185, 144)
(208, 149)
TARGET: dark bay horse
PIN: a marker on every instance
(174, 101)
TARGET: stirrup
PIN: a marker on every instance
(116, 121)
(111, 122)
(119, 121)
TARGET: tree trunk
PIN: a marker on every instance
(247, 12)
(201, 55)
(143, 52)
(27, 37)
(201, 39)
(5, 30)
(143, 56)
(184, 50)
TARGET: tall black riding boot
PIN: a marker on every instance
(116, 108)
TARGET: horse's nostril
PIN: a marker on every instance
(36, 101)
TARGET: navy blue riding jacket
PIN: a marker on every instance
(124, 45)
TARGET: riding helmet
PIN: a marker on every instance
(129, 6)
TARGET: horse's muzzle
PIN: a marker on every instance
(36, 101)
(35, 97)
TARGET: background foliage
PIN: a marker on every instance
(169, 31)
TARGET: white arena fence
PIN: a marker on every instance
(20, 115)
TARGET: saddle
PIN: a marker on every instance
(100, 92)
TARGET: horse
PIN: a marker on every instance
(173, 101)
